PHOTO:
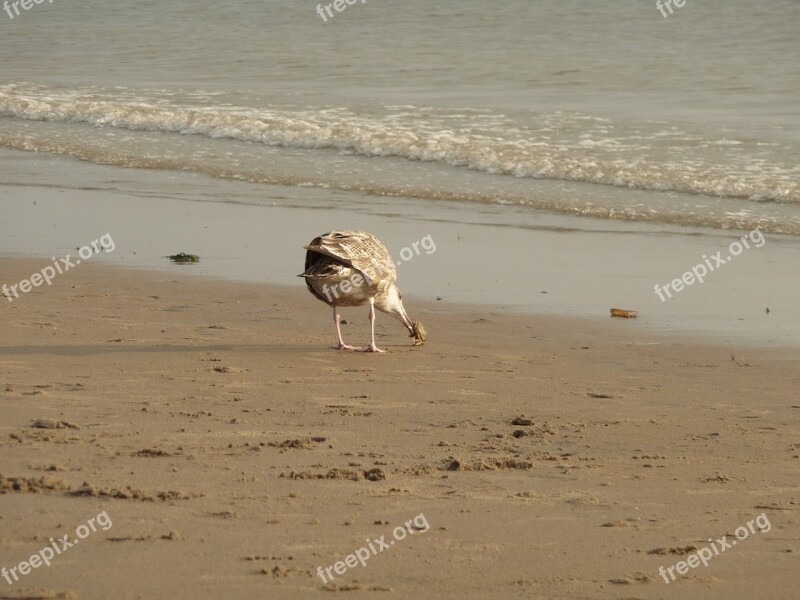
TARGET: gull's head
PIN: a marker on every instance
(392, 304)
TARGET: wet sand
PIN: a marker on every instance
(235, 453)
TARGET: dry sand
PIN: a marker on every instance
(235, 452)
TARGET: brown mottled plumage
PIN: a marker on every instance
(353, 268)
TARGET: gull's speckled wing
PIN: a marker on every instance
(359, 250)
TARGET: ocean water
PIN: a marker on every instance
(608, 110)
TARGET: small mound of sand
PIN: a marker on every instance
(151, 453)
(488, 464)
(342, 474)
(298, 443)
(51, 424)
(32, 485)
(679, 550)
(129, 493)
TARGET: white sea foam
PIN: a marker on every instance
(493, 144)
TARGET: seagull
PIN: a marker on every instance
(353, 268)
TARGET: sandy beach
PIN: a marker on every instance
(235, 453)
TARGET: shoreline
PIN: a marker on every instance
(547, 264)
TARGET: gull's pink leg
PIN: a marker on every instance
(372, 346)
(341, 345)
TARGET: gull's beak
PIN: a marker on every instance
(406, 319)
